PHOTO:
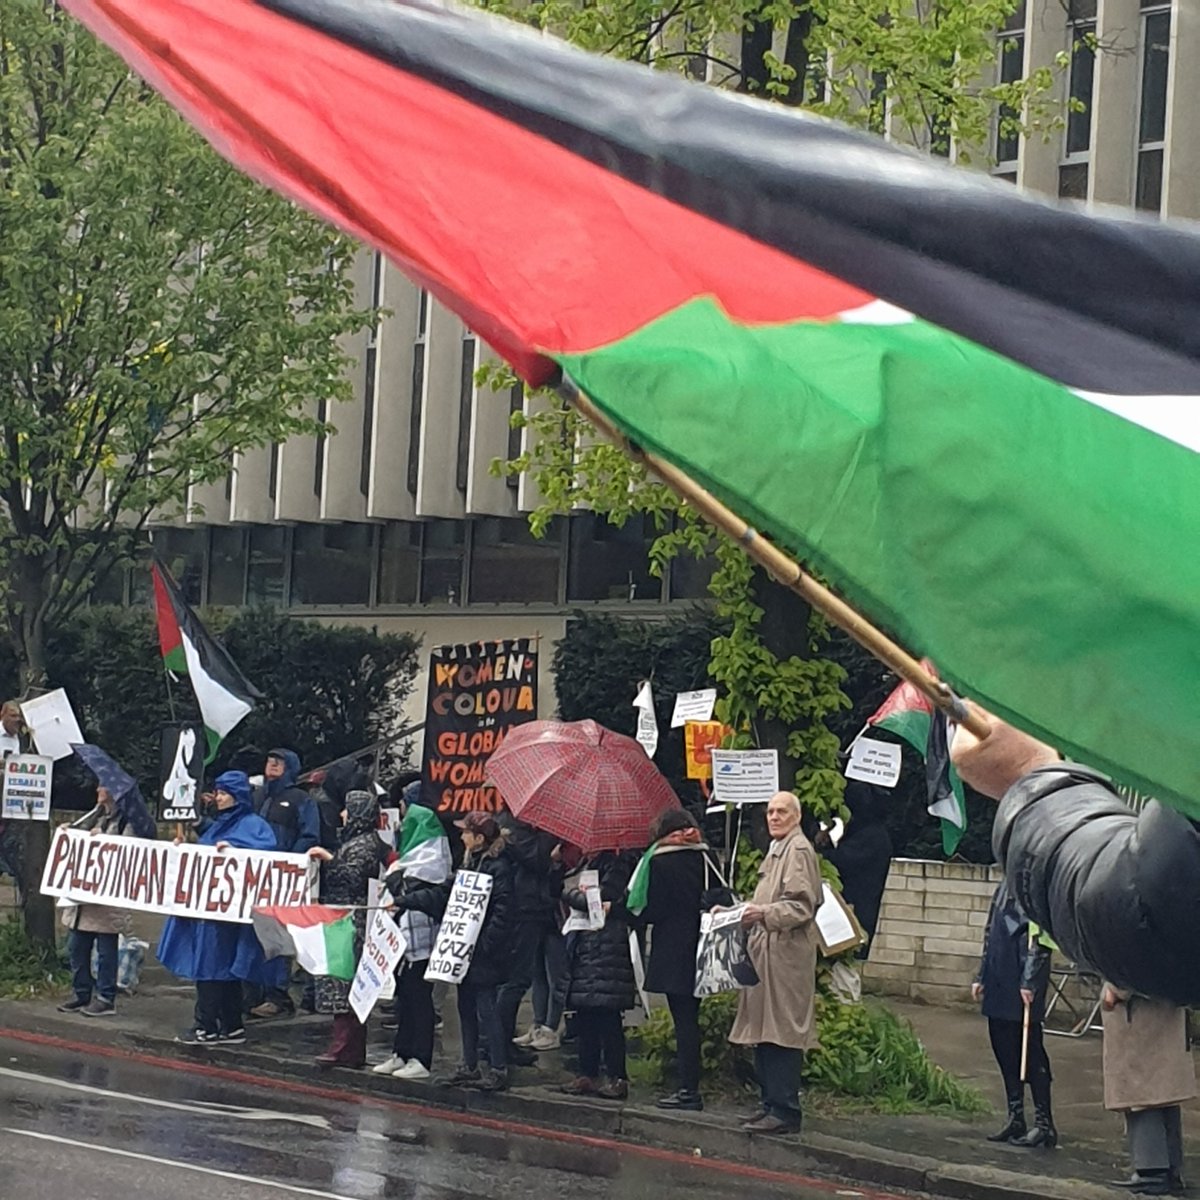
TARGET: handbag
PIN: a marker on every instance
(722, 954)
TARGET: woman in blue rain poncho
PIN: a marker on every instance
(220, 955)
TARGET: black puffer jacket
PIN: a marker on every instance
(1118, 891)
(537, 879)
(600, 971)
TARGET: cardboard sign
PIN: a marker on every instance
(647, 722)
(459, 930)
(184, 881)
(745, 776)
(26, 788)
(838, 929)
(389, 825)
(182, 771)
(477, 693)
(700, 739)
(379, 897)
(51, 721)
(382, 950)
(693, 706)
(873, 761)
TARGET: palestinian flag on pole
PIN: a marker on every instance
(424, 850)
(222, 691)
(909, 715)
(319, 938)
(971, 410)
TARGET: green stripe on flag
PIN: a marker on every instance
(990, 517)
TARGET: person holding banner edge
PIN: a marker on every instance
(220, 955)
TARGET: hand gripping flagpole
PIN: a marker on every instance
(785, 569)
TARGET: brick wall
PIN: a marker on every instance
(930, 931)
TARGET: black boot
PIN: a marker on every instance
(1043, 1132)
(1016, 1126)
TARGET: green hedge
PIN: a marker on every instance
(328, 690)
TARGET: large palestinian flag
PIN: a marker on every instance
(223, 693)
(971, 410)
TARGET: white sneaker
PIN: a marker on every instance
(526, 1039)
(413, 1069)
(545, 1038)
(389, 1066)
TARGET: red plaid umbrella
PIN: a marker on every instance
(581, 782)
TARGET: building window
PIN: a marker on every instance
(227, 566)
(1152, 109)
(332, 564)
(400, 563)
(511, 566)
(1073, 181)
(266, 572)
(182, 553)
(1011, 68)
(1081, 32)
(516, 404)
(443, 553)
(607, 562)
(319, 464)
(466, 397)
(371, 382)
(273, 472)
(418, 393)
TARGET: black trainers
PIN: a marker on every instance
(198, 1037)
(462, 1074)
(100, 1008)
(73, 1005)
(232, 1037)
(490, 1081)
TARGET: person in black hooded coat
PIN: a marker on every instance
(863, 857)
(599, 984)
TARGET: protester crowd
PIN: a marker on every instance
(575, 927)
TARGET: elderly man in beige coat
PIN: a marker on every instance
(1148, 1073)
(776, 1016)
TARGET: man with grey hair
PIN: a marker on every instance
(776, 1016)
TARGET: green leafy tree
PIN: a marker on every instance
(159, 312)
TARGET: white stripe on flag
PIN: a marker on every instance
(221, 710)
(309, 941)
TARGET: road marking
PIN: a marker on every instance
(447, 1116)
(198, 1106)
(183, 1166)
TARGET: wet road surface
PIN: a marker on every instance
(89, 1127)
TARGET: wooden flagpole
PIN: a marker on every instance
(786, 569)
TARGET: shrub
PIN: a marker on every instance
(26, 968)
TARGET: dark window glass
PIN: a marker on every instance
(510, 566)
(442, 556)
(1007, 177)
(229, 486)
(1149, 180)
(466, 394)
(1156, 35)
(1081, 10)
(331, 564)
(273, 472)
(364, 471)
(319, 465)
(1015, 19)
(1012, 67)
(1083, 64)
(422, 313)
(690, 577)
(610, 563)
(182, 552)
(227, 566)
(268, 564)
(414, 416)
(516, 404)
(1073, 181)
(399, 563)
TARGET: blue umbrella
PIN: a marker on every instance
(121, 786)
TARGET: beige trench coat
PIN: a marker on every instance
(779, 1008)
(1147, 1063)
(100, 918)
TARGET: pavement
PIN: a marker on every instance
(941, 1155)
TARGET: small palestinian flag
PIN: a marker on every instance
(972, 410)
(319, 938)
(424, 851)
(908, 714)
(222, 691)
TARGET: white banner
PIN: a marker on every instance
(383, 949)
(184, 881)
(459, 930)
(27, 779)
